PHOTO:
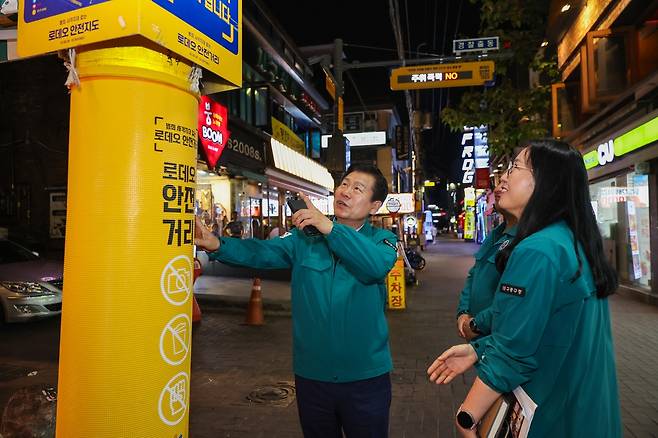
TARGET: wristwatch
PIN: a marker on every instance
(465, 420)
(474, 327)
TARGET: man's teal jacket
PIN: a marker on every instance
(340, 333)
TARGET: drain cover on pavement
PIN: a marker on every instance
(281, 394)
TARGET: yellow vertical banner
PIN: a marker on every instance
(396, 286)
(125, 345)
(469, 216)
(341, 118)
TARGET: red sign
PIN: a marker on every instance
(482, 178)
(213, 129)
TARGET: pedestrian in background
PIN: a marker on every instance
(235, 227)
(341, 355)
(551, 337)
(474, 309)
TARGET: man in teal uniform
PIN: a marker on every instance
(474, 309)
(341, 355)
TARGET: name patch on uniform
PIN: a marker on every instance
(389, 244)
(512, 290)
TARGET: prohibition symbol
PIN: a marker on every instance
(175, 339)
(176, 280)
(173, 399)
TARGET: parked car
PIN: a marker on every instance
(30, 286)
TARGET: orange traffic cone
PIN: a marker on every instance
(255, 309)
(196, 310)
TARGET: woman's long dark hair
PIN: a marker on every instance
(562, 193)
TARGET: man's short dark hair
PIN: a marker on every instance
(380, 188)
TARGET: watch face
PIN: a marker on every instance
(465, 420)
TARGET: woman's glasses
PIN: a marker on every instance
(514, 165)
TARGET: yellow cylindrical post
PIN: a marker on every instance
(124, 368)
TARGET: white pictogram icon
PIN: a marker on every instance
(175, 339)
(176, 280)
(173, 399)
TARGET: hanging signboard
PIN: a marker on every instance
(207, 33)
(405, 201)
(213, 129)
(288, 137)
(475, 45)
(462, 74)
(396, 286)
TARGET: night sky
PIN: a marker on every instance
(433, 25)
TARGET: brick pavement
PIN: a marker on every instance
(229, 360)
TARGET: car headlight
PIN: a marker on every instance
(28, 288)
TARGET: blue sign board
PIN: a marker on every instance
(476, 44)
(217, 19)
(38, 9)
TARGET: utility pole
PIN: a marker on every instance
(337, 153)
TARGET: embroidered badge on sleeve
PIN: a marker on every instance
(512, 290)
(390, 244)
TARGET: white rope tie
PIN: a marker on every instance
(73, 79)
(195, 78)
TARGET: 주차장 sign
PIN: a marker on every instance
(462, 74)
(207, 33)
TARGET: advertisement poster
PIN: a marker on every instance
(40, 9)
(207, 33)
(203, 16)
(213, 129)
(58, 215)
(632, 238)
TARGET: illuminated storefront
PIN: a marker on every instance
(622, 171)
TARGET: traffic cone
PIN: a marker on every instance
(196, 310)
(255, 308)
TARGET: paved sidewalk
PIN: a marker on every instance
(230, 360)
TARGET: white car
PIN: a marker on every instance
(30, 286)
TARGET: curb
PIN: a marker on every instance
(233, 304)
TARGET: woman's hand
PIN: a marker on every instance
(453, 362)
(203, 237)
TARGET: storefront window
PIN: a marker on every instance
(621, 206)
(213, 200)
(260, 98)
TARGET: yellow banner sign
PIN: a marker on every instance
(461, 74)
(341, 118)
(330, 86)
(207, 33)
(288, 137)
(396, 286)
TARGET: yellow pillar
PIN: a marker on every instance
(124, 368)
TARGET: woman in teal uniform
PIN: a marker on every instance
(474, 309)
(550, 338)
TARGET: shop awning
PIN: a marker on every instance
(294, 163)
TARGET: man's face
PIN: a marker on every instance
(353, 197)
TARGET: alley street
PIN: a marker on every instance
(232, 363)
